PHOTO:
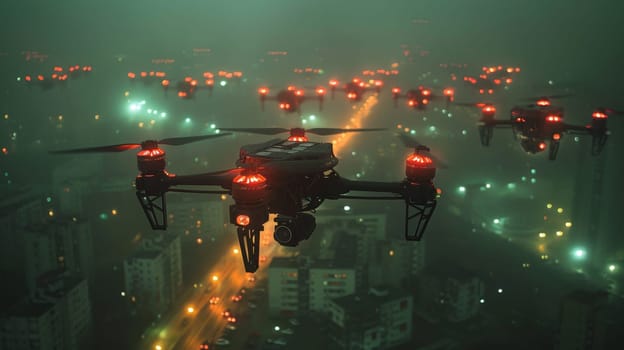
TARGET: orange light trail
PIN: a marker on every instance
(355, 121)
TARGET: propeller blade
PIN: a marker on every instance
(334, 131)
(409, 142)
(177, 141)
(112, 148)
(550, 97)
(261, 131)
(612, 111)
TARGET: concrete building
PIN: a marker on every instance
(449, 294)
(583, 321)
(195, 216)
(153, 274)
(300, 285)
(380, 319)
(58, 316)
(355, 235)
(396, 263)
(19, 207)
(60, 243)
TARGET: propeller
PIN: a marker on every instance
(548, 97)
(316, 131)
(172, 141)
(410, 142)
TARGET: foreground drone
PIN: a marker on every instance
(288, 177)
(536, 124)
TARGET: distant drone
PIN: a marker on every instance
(288, 177)
(537, 124)
(290, 99)
(355, 89)
(421, 97)
(59, 76)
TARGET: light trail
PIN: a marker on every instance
(355, 122)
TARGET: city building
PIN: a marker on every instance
(379, 319)
(19, 207)
(57, 316)
(396, 262)
(195, 216)
(449, 293)
(583, 321)
(300, 285)
(60, 243)
(153, 274)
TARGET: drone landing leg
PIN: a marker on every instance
(553, 149)
(420, 217)
(249, 240)
(598, 143)
(155, 212)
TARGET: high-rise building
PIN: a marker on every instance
(396, 262)
(449, 293)
(195, 216)
(57, 316)
(380, 319)
(18, 208)
(153, 274)
(60, 243)
(300, 285)
(583, 321)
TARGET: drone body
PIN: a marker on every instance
(288, 178)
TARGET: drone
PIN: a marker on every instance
(356, 88)
(420, 97)
(59, 76)
(185, 88)
(536, 124)
(288, 177)
(291, 98)
(491, 79)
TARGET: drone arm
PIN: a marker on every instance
(223, 179)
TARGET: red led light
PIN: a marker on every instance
(151, 153)
(510, 70)
(263, 91)
(58, 69)
(40, 77)
(425, 101)
(449, 92)
(351, 95)
(396, 90)
(249, 179)
(554, 119)
(208, 75)
(489, 109)
(193, 82)
(143, 74)
(556, 136)
(165, 83)
(411, 103)
(544, 102)
(542, 146)
(333, 82)
(426, 92)
(508, 81)
(182, 94)
(490, 91)
(27, 78)
(299, 92)
(290, 88)
(242, 220)
(131, 75)
(297, 139)
(320, 91)
(378, 83)
(497, 81)
(209, 82)
(599, 115)
(417, 160)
